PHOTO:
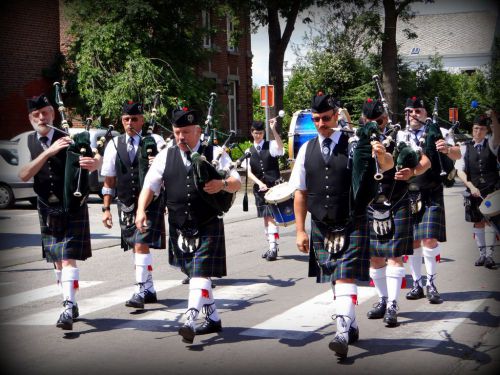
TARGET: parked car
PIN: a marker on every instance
(11, 186)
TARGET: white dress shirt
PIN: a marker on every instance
(154, 177)
(298, 176)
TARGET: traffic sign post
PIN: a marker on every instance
(266, 101)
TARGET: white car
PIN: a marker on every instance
(12, 158)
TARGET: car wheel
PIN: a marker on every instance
(6, 196)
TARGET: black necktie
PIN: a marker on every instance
(131, 149)
(479, 148)
(188, 156)
(43, 141)
(325, 149)
(259, 148)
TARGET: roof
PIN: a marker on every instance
(467, 33)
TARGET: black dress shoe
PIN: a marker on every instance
(75, 311)
(264, 254)
(433, 295)
(378, 310)
(480, 261)
(489, 263)
(272, 254)
(65, 320)
(339, 346)
(353, 335)
(137, 301)
(208, 326)
(150, 297)
(391, 316)
(187, 333)
(185, 281)
(417, 292)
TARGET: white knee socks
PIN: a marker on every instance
(345, 295)
(394, 277)
(415, 262)
(378, 275)
(272, 235)
(479, 236)
(200, 294)
(142, 274)
(430, 260)
(69, 281)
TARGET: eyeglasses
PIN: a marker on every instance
(325, 118)
(417, 111)
(133, 119)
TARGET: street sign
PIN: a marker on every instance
(453, 114)
(269, 100)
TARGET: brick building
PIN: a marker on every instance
(33, 35)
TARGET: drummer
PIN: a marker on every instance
(478, 170)
(263, 169)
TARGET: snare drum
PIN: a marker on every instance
(490, 208)
(280, 200)
(301, 130)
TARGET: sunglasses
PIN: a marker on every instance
(325, 118)
(133, 119)
(417, 111)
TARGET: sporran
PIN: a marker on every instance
(188, 240)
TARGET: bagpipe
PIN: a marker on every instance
(76, 179)
(432, 133)
(205, 170)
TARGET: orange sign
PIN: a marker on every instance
(453, 114)
(270, 96)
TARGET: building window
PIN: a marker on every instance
(415, 51)
(205, 20)
(231, 47)
(231, 104)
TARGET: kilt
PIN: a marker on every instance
(154, 236)
(430, 221)
(263, 209)
(209, 260)
(68, 236)
(354, 262)
(401, 243)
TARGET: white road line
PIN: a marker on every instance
(225, 298)
(303, 320)
(38, 294)
(90, 305)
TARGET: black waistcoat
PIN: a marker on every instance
(328, 184)
(183, 200)
(481, 168)
(264, 166)
(50, 178)
(127, 173)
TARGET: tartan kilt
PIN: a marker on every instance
(263, 209)
(401, 243)
(69, 238)
(154, 236)
(209, 260)
(354, 262)
(430, 221)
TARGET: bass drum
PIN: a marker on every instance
(301, 130)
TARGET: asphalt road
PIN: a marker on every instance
(275, 318)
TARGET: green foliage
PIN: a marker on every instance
(127, 49)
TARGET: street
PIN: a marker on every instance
(275, 319)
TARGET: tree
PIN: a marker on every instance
(129, 49)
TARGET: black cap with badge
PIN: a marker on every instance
(131, 108)
(373, 109)
(322, 103)
(185, 117)
(37, 102)
(414, 102)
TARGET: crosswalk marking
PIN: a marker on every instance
(225, 298)
(90, 305)
(38, 294)
(303, 320)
